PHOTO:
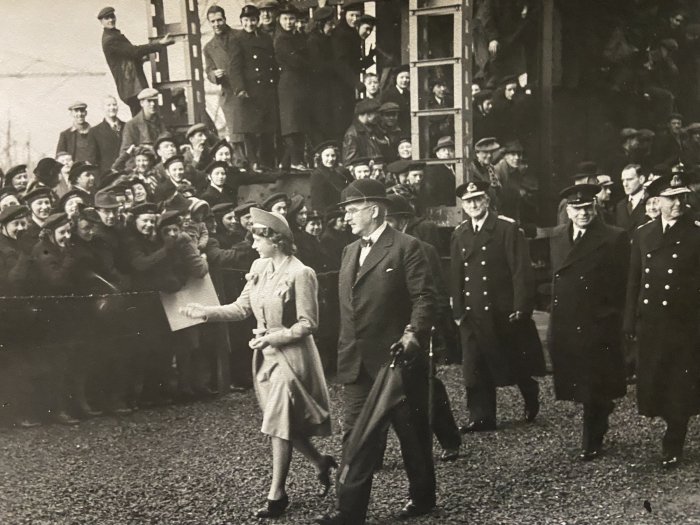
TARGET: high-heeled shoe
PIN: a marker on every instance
(324, 476)
(274, 508)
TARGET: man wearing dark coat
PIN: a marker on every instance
(125, 60)
(661, 314)
(386, 296)
(364, 137)
(400, 95)
(77, 139)
(108, 138)
(630, 212)
(349, 60)
(254, 75)
(589, 263)
(492, 301)
(147, 125)
(217, 66)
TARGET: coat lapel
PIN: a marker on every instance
(377, 253)
(475, 242)
(348, 268)
(590, 242)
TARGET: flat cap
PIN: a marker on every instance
(471, 189)
(275, 197)
(268, 4)
(487, 144)
(164, 137)
(604, 181)
(360, 161)
(484, 94)
(366, 19)
(367, 105)
(168, 218)
(398, 166)
(106, 200)
(12, 212)
(145, 208)
(147, 93)
(580, 194)
(296, 203)
(324, 13)
(104, 12)
(389, 107)
(274, 221)
(56, 220)
(194, 129)
(77, 105)
(514, 146)
(363, 190)
(628, 133)
(415, 165)
(444, 142)
(693, 127)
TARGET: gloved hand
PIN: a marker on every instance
(518, 316)
(410, 343)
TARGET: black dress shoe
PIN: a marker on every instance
(478, 426)
(670, 462)
(531, 410)
(411, 510)
(589, 455)
(274, 508)
(449, 454)
(324, 476)
(335, 518)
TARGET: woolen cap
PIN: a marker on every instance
(104, 12)
(12, 212)
(274, 198)
(106, 200)
(38, 192)
(363, 190)
(580, 194)
(487, 144)
(398, 205)
(471, 189)
(145, 208)
(148, 93)
(274, 221)
(56, 220)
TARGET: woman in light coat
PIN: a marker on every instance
(282, 295)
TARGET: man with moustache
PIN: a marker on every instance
(589, 263)
(386, 296)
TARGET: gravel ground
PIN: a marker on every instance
(207, 463)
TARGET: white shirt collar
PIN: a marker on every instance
(636, 198)
(669, 223)
(374, 236)
(480, 223)
(577, 229)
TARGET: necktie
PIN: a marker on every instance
(630, 206)
(366, 243)
(666, 228)
(476, 228)
(579, 236)
(493, 179)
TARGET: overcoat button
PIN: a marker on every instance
(665, 303)
(646, 301)
(670, 270)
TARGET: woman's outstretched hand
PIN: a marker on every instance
(193, 311)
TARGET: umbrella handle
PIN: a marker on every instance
(431, 376)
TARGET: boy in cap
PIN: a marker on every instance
(589, 266)
(440, 180)
(364, 137)
(439, 98)
(125, 60)
(77, 139)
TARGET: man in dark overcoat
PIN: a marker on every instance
(254, 75)
(125, 60)
(108, 138)
(217, 66)
(386, 296)
(492, 301)
(349, 60)
(589, 263)
(630, 212)
(147, 125)
(661, 313)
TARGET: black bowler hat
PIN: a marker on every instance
(580, 194)
(669, 185)
(47, 170)
(363, 190)
(12, 212)
(398, 205)
(250, 11)
(471, 189)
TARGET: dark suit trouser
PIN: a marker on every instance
(595, 423)
(444, 425)
(674, 437)
(410, 422)
(481, 399)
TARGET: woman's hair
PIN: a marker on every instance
(285, 244)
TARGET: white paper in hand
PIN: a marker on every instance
(195, 291)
